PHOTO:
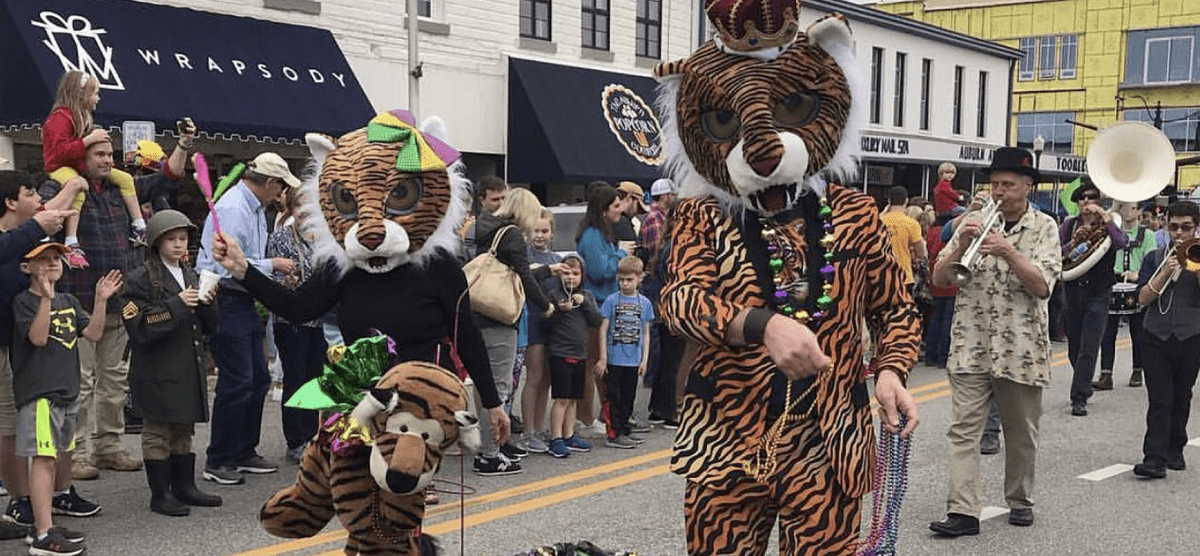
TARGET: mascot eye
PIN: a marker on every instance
(343, 201)
(403, 198)
(796, 109)
(720, 125)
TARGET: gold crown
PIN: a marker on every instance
(750, 25)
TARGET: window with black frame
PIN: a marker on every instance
(649, 29)
(595, 24)
(535, 19)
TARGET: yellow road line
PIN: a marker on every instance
(536, 503)
(339, 533)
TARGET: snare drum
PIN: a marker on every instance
(1124, 299)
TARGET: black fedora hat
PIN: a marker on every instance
(1013, 159)
(1085, 185)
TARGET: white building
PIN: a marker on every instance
(520, 83)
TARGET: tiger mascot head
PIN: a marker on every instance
(415, 412)
(390, 194)
(756, 115)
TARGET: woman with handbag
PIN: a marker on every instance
(597, 246)
(501, 235)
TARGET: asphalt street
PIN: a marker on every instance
(1087, 500)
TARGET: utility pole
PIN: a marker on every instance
(414, 60)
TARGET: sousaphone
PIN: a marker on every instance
(1128, 161)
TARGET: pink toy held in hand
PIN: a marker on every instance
(206, 187)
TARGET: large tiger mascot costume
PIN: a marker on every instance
(370, 465)
(761, 251)
(381, 205)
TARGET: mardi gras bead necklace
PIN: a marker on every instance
(789, 299)
(891, 482)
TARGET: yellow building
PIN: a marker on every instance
(1089, 61)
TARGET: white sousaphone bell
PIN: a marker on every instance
(1128, 161)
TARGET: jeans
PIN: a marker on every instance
(937, 340)
(302, 355)
(1109, 343)
(1087, 315)
(242, 381)
(670, 355)
(501, 342)
(1171, 367)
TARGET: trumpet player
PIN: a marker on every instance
(1087, 297)
(999, 342)
(1170, 345)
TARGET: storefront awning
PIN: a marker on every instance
(232, 75)
(573, 125)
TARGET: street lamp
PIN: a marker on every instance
(1039, 145)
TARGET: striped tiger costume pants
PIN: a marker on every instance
(815, 517)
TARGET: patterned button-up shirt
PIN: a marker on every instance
(286, 243)
(999, 327)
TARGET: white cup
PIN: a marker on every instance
(208, 283)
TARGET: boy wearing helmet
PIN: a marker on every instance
(167, 316)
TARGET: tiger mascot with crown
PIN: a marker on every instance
(382, 204)
(771, 270)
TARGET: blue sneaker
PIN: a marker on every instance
(577, 444)
(559, 449)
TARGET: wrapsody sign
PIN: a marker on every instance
(633, 123)
(233, 75)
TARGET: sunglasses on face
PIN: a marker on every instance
(1181, 227)
(1090, 197)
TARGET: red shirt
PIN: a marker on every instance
(60, 147)
(945, 198)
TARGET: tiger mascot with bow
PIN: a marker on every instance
(770, 272)
(382, 204)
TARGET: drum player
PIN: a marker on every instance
(1124, 302)
(1087, 297)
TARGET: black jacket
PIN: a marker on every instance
(512, 252)
(166, 368)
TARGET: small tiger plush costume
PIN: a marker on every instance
(414, 413)
(752, 119)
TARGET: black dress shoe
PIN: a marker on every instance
(1176, 463)
(1079, 409)
(1021, 517)
(1149, 471)
(956, 525)
(989, 444)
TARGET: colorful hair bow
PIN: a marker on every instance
(419, 152)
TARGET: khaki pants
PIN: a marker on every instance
(104, 381)
(161, 440)
(1020, 408)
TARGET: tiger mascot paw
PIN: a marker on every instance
(411, 416)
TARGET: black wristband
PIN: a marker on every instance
(755, 325)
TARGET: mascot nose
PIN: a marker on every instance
(765, 166)
(371, 241)
(408, 460)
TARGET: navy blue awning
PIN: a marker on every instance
(232, 75)
(573, 125)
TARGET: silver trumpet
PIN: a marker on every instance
(961, 271)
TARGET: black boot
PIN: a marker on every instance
(158, 473)
(183, 482)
